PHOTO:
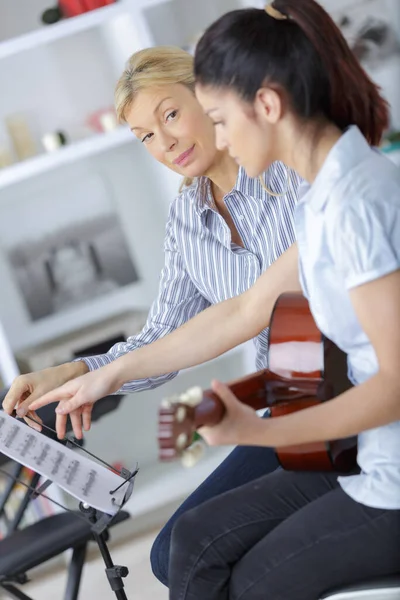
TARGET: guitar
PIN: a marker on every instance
(305, 369)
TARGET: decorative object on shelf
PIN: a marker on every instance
(108, 121)
(52, 15)
(21, 136)
(53, 141)
(103, 120)
(71, 8)
(76, 254)
(87, 146)
(391, 146)
(372, 31)
(376, 41)
(391, 139)
(5, 157)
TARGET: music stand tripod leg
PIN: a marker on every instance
(114, 573)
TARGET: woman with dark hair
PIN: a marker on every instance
(285, 79)
(282, 85)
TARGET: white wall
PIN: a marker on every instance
(21, 16)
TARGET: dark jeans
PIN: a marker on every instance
(244, 464)
(285, 536)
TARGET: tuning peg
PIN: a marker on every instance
(181, 441)
(168, 403)
(181, 414)
(192, 397)
(193, 454)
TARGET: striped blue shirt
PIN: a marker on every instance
(203, 266)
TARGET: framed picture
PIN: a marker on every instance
(68, 251)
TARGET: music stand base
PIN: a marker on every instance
(114, 573)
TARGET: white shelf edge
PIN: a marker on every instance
(67, 27)
(70, 26)
(129, 297)
(45, 162)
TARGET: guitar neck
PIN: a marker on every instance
(250, 390)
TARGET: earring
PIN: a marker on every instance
(275, 194)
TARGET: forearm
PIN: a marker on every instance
(372, 404)
(73, 369)
(93, 363)
(215, 330)
(163, 320)
(210, 334)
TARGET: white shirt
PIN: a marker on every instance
(348, 231)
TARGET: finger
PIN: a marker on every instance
(61, 426)
(31, 419)
(68, 405)
(224, 393)
(57, 395)
(87, 416)
(14, 396)
(25, 406)
(76, 421)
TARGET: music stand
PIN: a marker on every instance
(113, 499)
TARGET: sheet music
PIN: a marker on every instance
(81, 477)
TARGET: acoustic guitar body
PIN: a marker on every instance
(304, 369)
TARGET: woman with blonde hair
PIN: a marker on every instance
(224, 230)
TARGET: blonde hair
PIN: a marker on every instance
(162, 65)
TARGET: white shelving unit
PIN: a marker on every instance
(57, 31)
(56, 76)
(80, 150)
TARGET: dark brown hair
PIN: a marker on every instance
(305, 55)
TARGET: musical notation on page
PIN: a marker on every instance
(81, 477)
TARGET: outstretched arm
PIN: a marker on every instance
(178, 301)
(210, 334)
(217, 329)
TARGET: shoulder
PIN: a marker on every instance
(278, 178)
(184, 214)
(363, 221)
(371, 188)
(188, 199)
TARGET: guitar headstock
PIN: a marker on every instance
(176, 425)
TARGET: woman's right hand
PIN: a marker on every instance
(30, 386)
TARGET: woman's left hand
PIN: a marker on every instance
(238, 425)
(81, 391)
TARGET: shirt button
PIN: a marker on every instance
(241, 217)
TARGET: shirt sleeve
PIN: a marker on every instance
(366, 240)
(178, 301)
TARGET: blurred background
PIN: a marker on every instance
(83, 207)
